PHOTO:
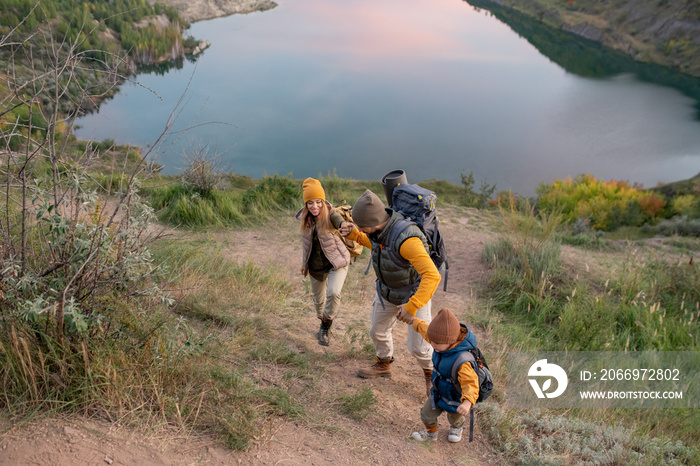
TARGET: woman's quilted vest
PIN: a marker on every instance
(332, 246)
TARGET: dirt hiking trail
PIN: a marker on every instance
(322, 436)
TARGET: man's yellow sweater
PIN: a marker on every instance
(414, 252)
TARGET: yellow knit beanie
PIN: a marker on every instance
(313, 190)
(444, 328)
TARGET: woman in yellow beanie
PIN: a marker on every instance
(325, 258)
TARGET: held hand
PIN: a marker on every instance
(404, 316)
(464, 408)
(346, 228)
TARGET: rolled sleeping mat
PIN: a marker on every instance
(391, 180)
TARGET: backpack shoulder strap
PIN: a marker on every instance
(463, 357)
(466, 356)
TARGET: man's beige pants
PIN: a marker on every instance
(382, 323)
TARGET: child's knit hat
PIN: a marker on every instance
(312, 189)
(369, 210)
(444, 328)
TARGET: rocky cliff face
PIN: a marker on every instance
(197, 10)
(666, 32)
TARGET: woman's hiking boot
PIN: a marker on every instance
(381, 368)
(324, 332)
(428, 374)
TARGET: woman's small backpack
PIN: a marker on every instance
(354, 248)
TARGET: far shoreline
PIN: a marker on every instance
(201, 10)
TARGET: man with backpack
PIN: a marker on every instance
(403, 289)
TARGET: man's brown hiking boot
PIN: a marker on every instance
(382, 368)
(428, 374)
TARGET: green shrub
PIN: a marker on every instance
(178, 205)
(337, 189)
(526, 242)
(580, 233)
(687, 205)
(608, 205)
(272, 193)
(472, 198)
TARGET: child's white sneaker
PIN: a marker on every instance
(424, 435)
(455, 434)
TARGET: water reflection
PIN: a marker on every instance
(587, 58)
(161, 69)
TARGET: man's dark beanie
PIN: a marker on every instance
(369, 210)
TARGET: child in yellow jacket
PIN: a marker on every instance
(449, 339)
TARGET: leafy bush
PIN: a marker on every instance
(580, 233)
(608, 205)
(79, 289)
(504, 199)
(472, 198)
(686, 205)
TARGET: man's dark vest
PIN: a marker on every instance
(396, 284)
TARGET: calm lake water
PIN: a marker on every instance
(435, 87)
